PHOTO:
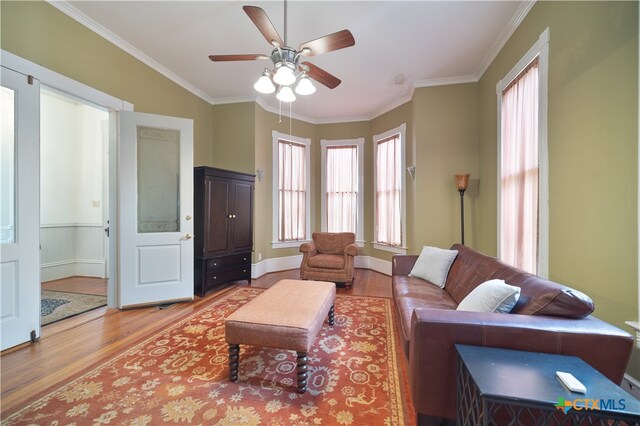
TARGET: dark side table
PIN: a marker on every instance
(508, 387)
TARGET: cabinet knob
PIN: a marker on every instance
(230, 216)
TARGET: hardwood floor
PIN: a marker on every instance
(83, 285)
(68, 347)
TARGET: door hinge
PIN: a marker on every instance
(30, 79)
(33, 336)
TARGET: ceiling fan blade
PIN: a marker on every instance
(261, 20)
(225, 58)
(330, 42)
(321, 76)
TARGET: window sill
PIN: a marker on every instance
(384, 247)
(288, 244)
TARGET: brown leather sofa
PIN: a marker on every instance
(329, 257)
(548, 318)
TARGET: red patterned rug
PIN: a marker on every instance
(357, 376)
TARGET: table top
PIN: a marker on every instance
(505, 375)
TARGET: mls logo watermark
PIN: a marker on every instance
(565, 405)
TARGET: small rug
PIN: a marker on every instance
(357, 376)
(57, 305)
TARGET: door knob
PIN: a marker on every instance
(188, 237)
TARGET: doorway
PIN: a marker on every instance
(74, 198)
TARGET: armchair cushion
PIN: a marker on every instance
(333, 242)
(326, 261)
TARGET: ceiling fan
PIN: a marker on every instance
(287, 60)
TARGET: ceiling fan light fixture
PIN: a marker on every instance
(264, 84)
(285, 94)
(305, 86)
(284, 74)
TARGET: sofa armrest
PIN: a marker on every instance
(351, 250)
(434, 332)
(403, 264)
(308, 248)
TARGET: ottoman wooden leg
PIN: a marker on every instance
(332, 314)
(302, 372)
(234, 356)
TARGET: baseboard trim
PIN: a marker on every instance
(71, 268)
(278, 264)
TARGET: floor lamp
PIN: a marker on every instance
(462, 181)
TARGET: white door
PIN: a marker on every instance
(155, 209)
(19, 208)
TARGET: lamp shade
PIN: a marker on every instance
(305, 86)
(284, 75)
(462, 180)
(285, 94)
(264, 84)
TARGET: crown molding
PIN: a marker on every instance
(445, 81)
(75, 14)
(506, 34)
(393, 105)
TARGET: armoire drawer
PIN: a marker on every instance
(228, 261)
(228, 275)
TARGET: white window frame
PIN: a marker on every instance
(402, 130)
(275, 243)
(359, 143)
(541, 50)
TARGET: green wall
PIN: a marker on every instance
(38, 32)
(593, 143)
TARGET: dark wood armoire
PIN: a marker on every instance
(223, 227)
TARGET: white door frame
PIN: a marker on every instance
(74, 88)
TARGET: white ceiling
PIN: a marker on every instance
(400, 45)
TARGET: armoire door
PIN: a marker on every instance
(218, 216)
(242, 217)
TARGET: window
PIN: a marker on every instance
(342, 203)
(291, 190)
(390, 221)
(523, 219)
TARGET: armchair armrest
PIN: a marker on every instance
(403, 264)
(351, 250)
(308, 248)
(432, 356)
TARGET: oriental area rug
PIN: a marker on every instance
(357, 376)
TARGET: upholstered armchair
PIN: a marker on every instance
(329, 257)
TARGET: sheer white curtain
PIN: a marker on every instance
(292, 191)
(342, 188)
(519, 171)
(388, 187)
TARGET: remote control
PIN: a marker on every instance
(573, 384)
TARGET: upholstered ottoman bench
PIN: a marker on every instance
(287, 316)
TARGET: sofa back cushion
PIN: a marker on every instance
(333, 242)
(538, 296)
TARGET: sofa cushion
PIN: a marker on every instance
(491, 296)
(326, 261)
(433, 265)
(411, 293)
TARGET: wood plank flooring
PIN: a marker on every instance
(83, 285)
(68, 347)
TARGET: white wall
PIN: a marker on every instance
(72, 147)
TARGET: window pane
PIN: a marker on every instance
(519, 172)
(291, 191)
(158, 180)
(342, 188)
(7, 165)
(388, 191)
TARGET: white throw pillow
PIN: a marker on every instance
(433, 265)
(491, 296)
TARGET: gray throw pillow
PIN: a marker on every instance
(433, 265)
(491, 296)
